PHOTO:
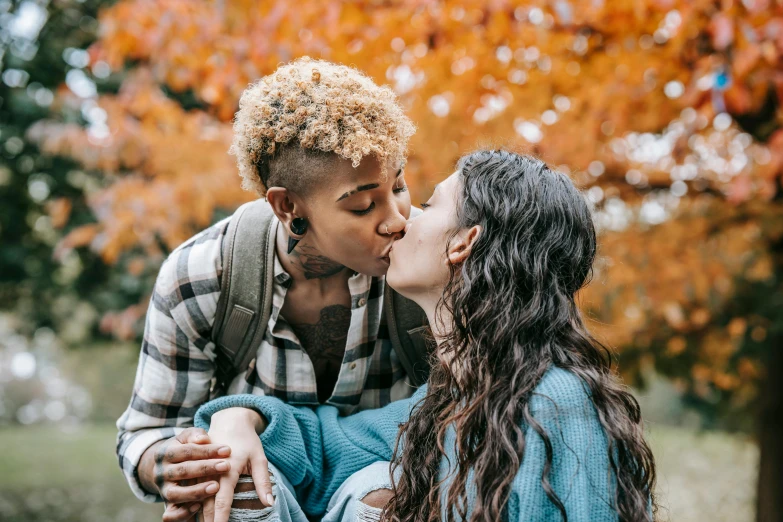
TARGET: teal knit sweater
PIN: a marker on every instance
(317, 450)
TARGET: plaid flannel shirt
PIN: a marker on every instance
(177, 359)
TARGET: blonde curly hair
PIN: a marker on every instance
(314, 107)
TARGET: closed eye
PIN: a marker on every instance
(365, 211)
(424, 205)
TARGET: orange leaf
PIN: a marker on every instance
(59, 211)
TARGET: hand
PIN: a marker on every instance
(179, 463)
(184, 512)
(239, 428)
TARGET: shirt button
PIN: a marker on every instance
(362, 301)
(250, 369)
(353, 366)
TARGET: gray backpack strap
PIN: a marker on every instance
(245, 301)
(408, 330)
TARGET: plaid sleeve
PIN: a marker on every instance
(176, 363)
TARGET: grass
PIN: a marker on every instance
(704, 475)
(53, 473)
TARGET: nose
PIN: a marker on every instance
(394, 225)
(393, 229)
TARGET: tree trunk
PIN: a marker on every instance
(769, 503)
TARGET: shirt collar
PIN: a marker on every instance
(282, 277)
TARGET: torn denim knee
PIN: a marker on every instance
(365, 513)
(267, 514)
(346, 503)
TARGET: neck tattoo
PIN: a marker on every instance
(314, 265)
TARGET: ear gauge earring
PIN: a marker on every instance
(298, 227)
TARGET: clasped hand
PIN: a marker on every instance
(236, 428)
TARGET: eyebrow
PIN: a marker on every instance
(362, 188)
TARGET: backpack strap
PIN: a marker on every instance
(408, 327)
(245, 301)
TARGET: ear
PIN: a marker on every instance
(285, 204)
(460, 248)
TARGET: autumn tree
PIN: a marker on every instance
(42, 48)
(666, 111)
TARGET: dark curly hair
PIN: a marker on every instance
(514, 316)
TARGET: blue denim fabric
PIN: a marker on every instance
(344, 506)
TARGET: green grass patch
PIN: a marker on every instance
(69, 474)
(704, 475)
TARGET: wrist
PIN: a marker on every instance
(146, 468)
(240, 416)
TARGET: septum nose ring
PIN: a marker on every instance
(387, 229)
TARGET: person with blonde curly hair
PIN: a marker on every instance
(325, 147)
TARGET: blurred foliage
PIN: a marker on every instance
(40, 46)
(667, 112)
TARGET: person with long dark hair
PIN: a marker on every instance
(523, 416)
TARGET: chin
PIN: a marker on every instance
(375, 273)
(377, 269)
(396, 279)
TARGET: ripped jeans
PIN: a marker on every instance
(344, 506)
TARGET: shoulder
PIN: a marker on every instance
(204, 247)
(197, 258)
(418, 396)
(563, 407)
(191, 276)
(560, 389)
(569, 448)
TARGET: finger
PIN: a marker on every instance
(225, 496)
(181, 494)
(208, 510)
(194, 469)
(259, 469)
(176, 453)
(180, 512)
(195, 435)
